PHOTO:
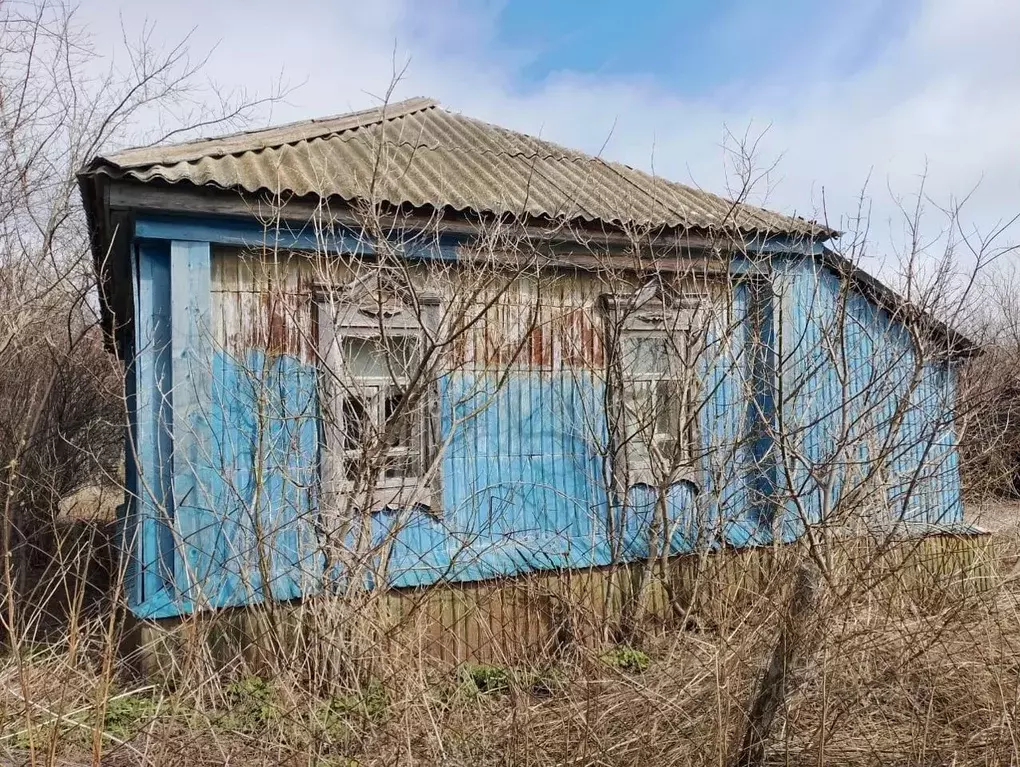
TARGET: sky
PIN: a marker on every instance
(843, 98)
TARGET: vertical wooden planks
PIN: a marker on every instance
(152, 436)
(198, 524)
(265, 407)
(884, 389)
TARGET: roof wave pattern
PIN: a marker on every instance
(417, 154)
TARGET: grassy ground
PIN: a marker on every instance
(884, 685)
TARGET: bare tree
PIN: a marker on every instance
(716, 396)
(62, 413)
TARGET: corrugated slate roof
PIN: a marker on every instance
(418, 154)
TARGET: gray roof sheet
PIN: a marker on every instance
(418, 154)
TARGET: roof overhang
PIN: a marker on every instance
(112, 206)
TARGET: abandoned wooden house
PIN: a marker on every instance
(403, 348)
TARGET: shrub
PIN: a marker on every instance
(368, 703)
(253, 703)
(127, 714)
(627, 659)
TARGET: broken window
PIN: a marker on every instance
(374, 407)
(375, 404)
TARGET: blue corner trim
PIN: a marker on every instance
(152, 438)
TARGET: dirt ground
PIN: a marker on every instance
(995, 516)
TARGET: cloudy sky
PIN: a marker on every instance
(877, 91)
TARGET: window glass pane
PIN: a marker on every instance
(362, 357)
(666, 450)
(354, 422)
(638, 417)
(389, 357)
(402, 464)
(402, 352)
(638, 406)
(667, 409)
(654, 356)
(643, 355)
(401, 429)
(398, 418)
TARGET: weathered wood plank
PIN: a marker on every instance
(513, 620)
(197, 522)
(152, 446)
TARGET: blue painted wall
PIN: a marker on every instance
(854, 393)
(150, 512)
(264, 450)
(232, 515)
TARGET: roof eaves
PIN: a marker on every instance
(959, 345)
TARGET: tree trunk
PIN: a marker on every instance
(796, 639)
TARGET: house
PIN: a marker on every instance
(403, 347)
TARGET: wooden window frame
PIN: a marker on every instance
(337, 322)
(660, 316)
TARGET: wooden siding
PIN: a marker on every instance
(262, 303)
(523, 619)
(264, 423)
(548, 323)
(855, 385)
(148, 521)
(523, 427)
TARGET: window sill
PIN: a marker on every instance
(393, 496)
(644, 475)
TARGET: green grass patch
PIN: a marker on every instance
(626, 659)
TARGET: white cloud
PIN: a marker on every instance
(942, 98)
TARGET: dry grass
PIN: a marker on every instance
(888, 684)
(996, 515)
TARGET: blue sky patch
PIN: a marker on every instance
(692, 47)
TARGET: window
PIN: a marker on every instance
(375, 404)
(372, 407)
(656, 378)
(653, 402)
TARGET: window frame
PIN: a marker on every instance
(339, 320)
(662, 315)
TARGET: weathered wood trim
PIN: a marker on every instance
(196, 520)
(250, 233)
(302, 213)
(153, 398)
(246, 233)
(180, 199)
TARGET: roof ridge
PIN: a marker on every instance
(577, 155)
(546, 150)
(561, 152)
(565, 151)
